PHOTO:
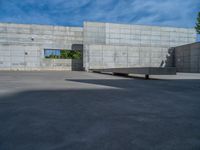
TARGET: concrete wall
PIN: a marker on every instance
(187, 58)
(56, 64)
(22, 46)
(108, 45)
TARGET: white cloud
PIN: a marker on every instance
(74, 12)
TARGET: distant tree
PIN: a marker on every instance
(198, 24)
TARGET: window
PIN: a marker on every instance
(62, 54)
(49, 53)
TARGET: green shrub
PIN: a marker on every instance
(66, 54)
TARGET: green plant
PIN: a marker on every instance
(63, 54)
(76, 55)
(66, 54)
(198, 24)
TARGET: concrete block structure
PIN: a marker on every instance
(103, 45)
(187, 58)
(108, 45)
(22, 46)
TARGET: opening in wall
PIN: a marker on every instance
(62, 54)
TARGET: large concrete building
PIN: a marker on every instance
(103, 45)
(109, 45)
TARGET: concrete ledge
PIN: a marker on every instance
(142, 70)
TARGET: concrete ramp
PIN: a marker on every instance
(140, 70)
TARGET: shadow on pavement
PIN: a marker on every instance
(145, 85)
(154, 115)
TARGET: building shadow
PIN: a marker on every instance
(131, 84)
(89, 119)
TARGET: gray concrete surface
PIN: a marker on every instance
(187, 58)
(87, 111)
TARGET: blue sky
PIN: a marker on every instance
(179, 13)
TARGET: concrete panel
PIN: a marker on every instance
(109, 60)
(134, 51)
(187, 58)
(133, 60)
(107, 52)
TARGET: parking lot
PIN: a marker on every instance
(88, 111)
